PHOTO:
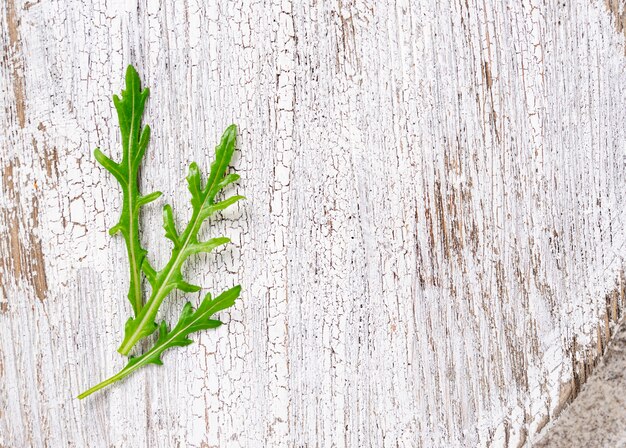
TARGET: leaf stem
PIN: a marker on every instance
(189, 321)
(130, 368)
(148, 312)
(103, 384)
(202, 201)
(130, 108)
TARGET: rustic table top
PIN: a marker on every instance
(431, 248)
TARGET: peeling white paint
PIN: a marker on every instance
(435, 213)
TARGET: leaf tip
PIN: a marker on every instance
(113, 230)
(229, 136)
(100, 157)
(143, 200)
(131, 75)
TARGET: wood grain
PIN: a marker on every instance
(431, 249)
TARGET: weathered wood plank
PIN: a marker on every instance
(596, 418)
(432, 246)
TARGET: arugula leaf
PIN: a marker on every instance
(203, 200)
(130, 109)
(186, 243)
(190, 321)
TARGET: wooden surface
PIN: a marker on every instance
(597, 418)
(432, 245)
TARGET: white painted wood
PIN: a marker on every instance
(434, 218)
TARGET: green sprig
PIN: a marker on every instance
(190, 321)
(134, 142)
(185, 244)
(204, 204)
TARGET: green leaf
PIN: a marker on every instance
(208, 211)
(143, 200)
(207, 246)
(130, 107)
(229, 179)
(223, 154)
(143, 141)
(149, 272)
(110, 165)
(194, 184)
(186, 243)
(190, 321)
(187, 287)
(170, 226)
(115, 229)
(146, 330)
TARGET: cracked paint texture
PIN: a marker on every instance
(431, 250)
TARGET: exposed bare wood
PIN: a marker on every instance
(618, 9)
(14, 54)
